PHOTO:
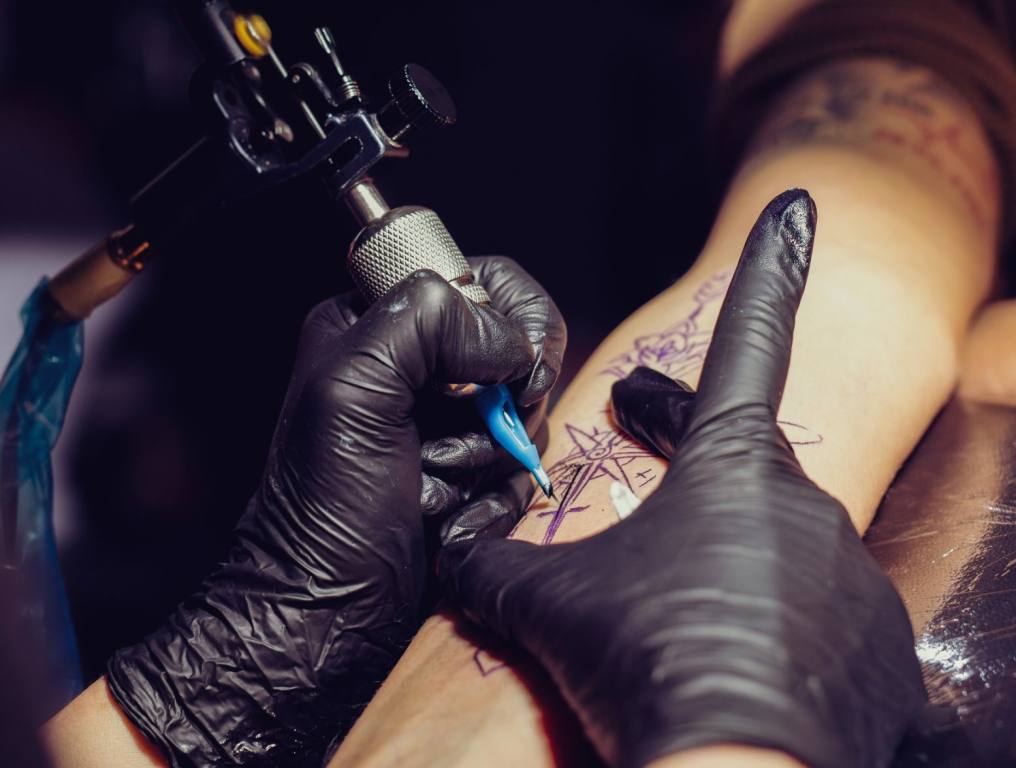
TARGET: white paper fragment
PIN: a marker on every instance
(625, 502)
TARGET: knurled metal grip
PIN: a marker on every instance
(403, 240)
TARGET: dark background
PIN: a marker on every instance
(578, 151)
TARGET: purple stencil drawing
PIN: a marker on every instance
(798, 434)
(680, 348)
(594, 454)
(486, 663)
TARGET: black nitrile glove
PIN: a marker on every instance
(289, 638)
(461, 461)
(737, 604)
(471, 484)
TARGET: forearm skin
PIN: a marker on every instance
(92, 732)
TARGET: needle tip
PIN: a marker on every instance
(543, 480)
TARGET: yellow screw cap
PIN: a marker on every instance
(253, 33)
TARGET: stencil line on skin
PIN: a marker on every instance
(679, 348)
(595, 453)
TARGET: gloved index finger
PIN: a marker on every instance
(427, 332)
(519, 297)
(750, 352)
(484, 577)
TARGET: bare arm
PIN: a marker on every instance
(907, 196)
(91, 732)
(988, 362)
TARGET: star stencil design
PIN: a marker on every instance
(594, 454)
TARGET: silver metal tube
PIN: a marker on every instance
(366, 203)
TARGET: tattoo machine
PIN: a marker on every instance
(269, 123)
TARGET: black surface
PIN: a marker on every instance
(945, 535)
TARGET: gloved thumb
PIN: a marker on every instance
(448, 339)
(492, 514)
(653, 408)
(422, 332)
(487, 578)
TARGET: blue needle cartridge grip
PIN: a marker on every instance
(497, 408)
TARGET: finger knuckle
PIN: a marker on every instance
(329, 315)
(326, 396)
(428, 291)
(506, 263)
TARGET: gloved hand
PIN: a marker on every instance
(470, 483)
(288, 639)
(739, 604)
(461, 462)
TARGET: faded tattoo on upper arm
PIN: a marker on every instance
(889, 105)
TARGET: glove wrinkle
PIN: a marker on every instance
(523, 301)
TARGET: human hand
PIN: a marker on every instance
(470, 483)
(321, 592)
(737, 604)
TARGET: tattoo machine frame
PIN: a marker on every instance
(269, 123)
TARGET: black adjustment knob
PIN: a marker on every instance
(418, 101)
